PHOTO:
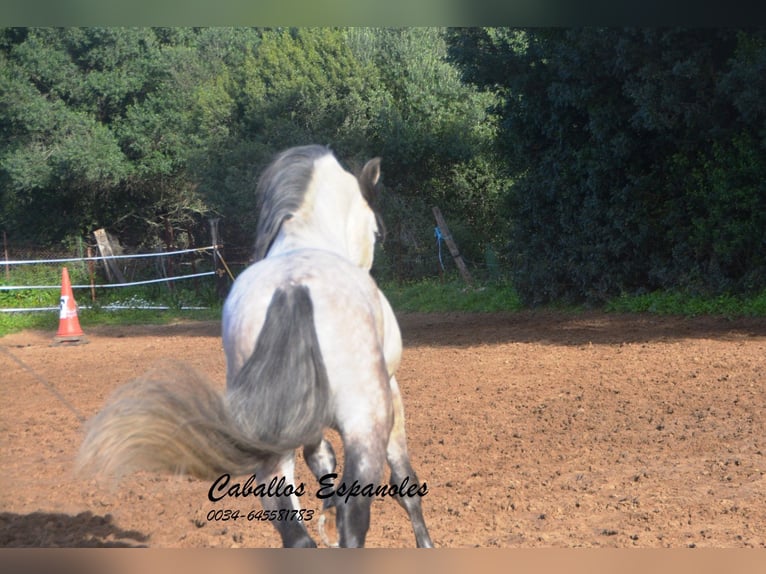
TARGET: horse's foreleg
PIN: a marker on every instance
(401, 469)
(321, 460)
(293, 532)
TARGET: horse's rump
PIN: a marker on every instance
(280, 395)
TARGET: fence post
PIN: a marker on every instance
(452, 246)
(221, 285)
(5, 251)
(91, 275)
(170, 240)
(105, 248)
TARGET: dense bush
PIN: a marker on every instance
(640, 157)
(588, 162)
(149, 132)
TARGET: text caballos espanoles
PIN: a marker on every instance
(223, 487)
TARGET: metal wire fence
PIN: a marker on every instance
(30, 277)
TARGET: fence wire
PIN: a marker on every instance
(41, 271)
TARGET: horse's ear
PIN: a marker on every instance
(369, 178)
(371, 171)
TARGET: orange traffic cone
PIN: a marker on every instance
(69, 325)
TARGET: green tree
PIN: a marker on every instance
(91, 134)
(290, 87)
(436, 135)
(146, 131)
(57, 156)
(638, 163)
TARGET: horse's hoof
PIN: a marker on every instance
(328, 530)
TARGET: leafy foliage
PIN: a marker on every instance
(148, 131)
(593, 163)
(94, 132)
(639, 157)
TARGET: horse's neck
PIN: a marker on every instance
(299, 233)
(293, 237)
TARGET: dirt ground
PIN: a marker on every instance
(536, 429)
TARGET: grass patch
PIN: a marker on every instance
(14, 322)
(675, 303)
(432, 295)
(49, 320)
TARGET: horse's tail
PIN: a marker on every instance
(281, 394)
(171, 419)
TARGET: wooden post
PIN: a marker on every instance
(170, 240)
(5, 251)
(194, 272)
(91, 274)
(221, 284)
(105, 248)
(452, 246)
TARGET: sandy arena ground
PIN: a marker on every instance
(531, 430)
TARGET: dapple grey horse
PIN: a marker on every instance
(311, 344)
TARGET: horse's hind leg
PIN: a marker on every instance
(321, 460)
(293, 532)
(363, 461)
(401, 469)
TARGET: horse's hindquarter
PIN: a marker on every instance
(353, 321)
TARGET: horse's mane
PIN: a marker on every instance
(283, 185)
(281, 190)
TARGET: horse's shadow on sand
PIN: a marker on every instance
(56, 530)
